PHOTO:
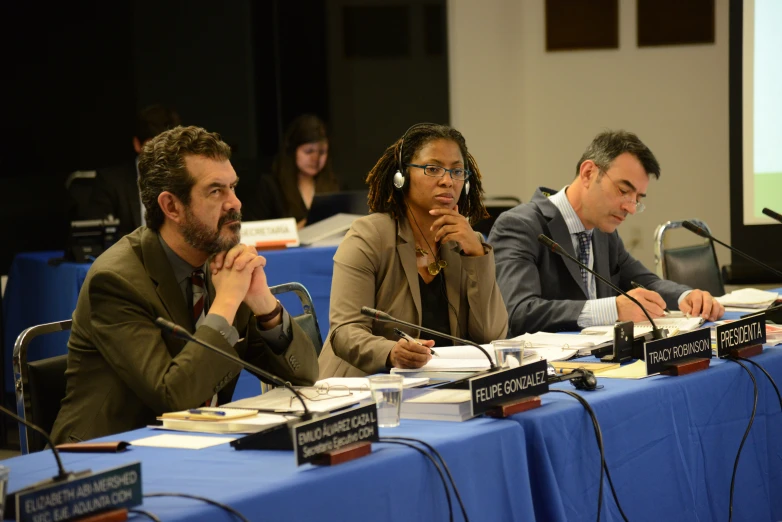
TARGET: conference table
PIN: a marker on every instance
(670, 445)
(40, 290)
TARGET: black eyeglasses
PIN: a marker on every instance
(436, 171)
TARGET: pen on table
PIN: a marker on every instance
(639, 285)
(410, 338)
(207, 412)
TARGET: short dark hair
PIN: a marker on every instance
(609, 144)
(384, 197)
(154, 119)
(161, 166)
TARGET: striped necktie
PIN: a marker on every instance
(584, 253)
(199, 300)
(199, 296)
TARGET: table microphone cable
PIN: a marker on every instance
(603, 466)
(147, 514)
(746, 433)
(222, 506)
(436, 465)
(445, 467)
(771, 379)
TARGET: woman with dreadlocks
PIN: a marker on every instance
(415, 257)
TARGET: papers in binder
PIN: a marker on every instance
(281, 400)
(558, 346)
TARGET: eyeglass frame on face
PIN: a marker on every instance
(625, 196)
(467, 172)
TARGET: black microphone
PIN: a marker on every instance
(773, 215)
(382, 316)
(554, 246)
(62, 475)
(181, 333)
(692, 227)
(580, 378)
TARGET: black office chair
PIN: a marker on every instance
(308, 321)
(495, 205)
(694, 265)
(40, 386)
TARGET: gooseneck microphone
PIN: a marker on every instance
(382, 316)
(554, 247)
(63, 474)
(181, 333)
(580, 378)
(773, 215)
(692, 227)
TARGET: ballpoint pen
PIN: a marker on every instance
(412, 339)
(206, 412)
(642, 287)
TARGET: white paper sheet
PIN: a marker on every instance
(181, 441)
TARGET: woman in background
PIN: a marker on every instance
(415, 257)
(301, 169)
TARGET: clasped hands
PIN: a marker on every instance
(697, 302)
(238, 276)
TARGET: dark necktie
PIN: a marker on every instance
(199, 295)
(584, 251)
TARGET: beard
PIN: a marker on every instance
(200, 236)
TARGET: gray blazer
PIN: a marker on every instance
(375, 266)
(123, 371)
(544, 291)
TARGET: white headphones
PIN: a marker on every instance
(399, 178)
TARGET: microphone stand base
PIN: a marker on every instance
(747, 351)
(511, 408)
(343, 454)
(685, 366)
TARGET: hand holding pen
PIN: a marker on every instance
(651, 301)
(410, 352)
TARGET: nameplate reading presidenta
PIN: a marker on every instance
(660, 353)
(317, 436)
(496, 388)
(738, 334)
(72, 499)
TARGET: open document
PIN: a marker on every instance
(454, 362)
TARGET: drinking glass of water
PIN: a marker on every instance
(387, 393)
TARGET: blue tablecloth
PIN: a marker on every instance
(670, 444)
(486, 457)
(38, 292)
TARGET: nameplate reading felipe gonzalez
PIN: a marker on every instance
(498, 388)
(320, 435)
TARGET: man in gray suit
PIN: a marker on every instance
(545, 292)
(186, 266)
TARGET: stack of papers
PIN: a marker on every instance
(445, 405)
(454, 362)
(362, 383)
(748, 298)
(281, 400)
(560, 346)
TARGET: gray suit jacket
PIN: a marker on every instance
(123, 371)
(375, 266)
(544, 291)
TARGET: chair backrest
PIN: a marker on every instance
(40, 386)
(694, 265)
(308, 321)
(495, 205)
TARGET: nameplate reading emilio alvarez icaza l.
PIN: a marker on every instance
(112, 489)
(660, 353)
(741, 333)
(496, 388)
(320, 435)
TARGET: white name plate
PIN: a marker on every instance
(271, 233)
